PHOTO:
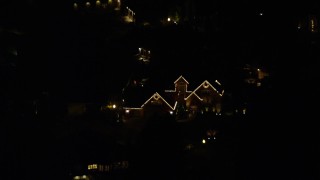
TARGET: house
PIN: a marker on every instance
(254, 75)
(180, 102)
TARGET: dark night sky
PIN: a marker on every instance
(81, 56)
(65, 53)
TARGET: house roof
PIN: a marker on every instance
(169, 97)
(206, 84)
(181, 78)
(157, 96)
(136, 96)
(140, 96)
(193, 94)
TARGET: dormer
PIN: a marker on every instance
(181, 84)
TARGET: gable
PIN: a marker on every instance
(181, 80)
(157, 100)
(205, 89)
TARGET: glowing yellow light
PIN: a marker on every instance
(114, 106)
(205, 85)
(127, 111)
(88, 4)
(75, 5)
(203, 141)
(156, 97)
(218, 82)
(76, 177)
(312, 25)
(84, 177)
(92, 166)
(169, 19)
(98, 3)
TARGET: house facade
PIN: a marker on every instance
(180, 102)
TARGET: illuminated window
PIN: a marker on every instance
(101, 168)
(83, 177)
(107, 168)
(125, 164)
(92, 166)
(312, 25)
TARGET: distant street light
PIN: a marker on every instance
(75, 5)
(98, 3)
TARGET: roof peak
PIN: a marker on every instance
(181, 77)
